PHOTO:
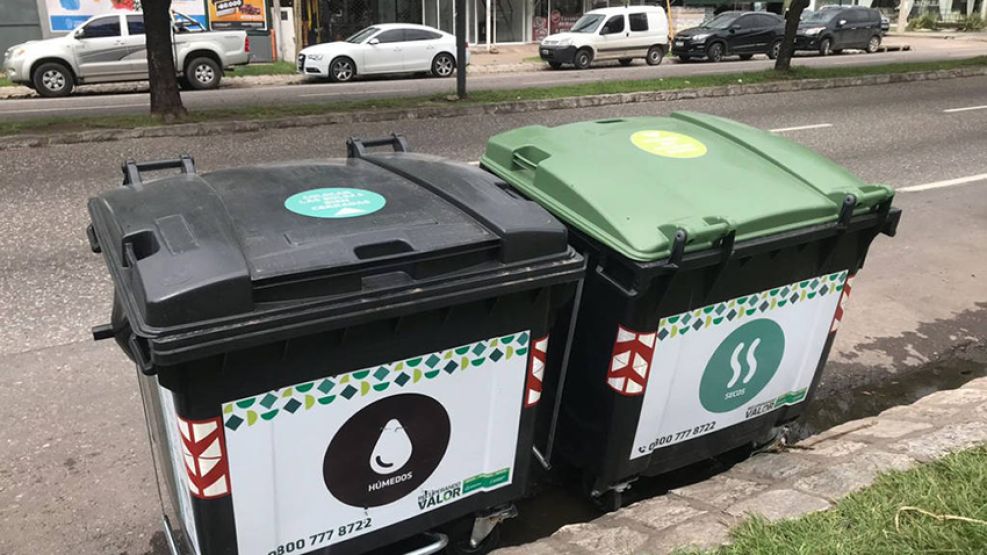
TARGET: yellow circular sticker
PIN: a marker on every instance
(668, 144)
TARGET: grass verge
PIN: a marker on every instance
(62, 124)
(934, 508)
(276, 68)
(4, 82)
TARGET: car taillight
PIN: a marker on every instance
(246, 44)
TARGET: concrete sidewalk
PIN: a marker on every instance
(811, 477)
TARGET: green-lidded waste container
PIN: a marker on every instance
(719, 261)
(335, 355)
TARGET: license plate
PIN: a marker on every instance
(545, 52)
(680, 43)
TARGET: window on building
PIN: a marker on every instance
(393, 35)
(103, 27)
(614, 25)
(135, 24)
(638, 21)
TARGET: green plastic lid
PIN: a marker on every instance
(631, 183)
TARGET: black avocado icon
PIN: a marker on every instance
(386, 450)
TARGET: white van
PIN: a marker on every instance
(610, 34)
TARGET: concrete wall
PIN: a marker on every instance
(19, 22)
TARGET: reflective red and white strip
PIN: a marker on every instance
(204, 451)
(841, 307)
(631, 361)
(536, 372)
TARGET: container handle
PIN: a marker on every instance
(357, 148)
(132, 169)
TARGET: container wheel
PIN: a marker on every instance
(460, 545)
(609, 501)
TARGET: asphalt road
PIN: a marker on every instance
(230, 97)
(75, 474)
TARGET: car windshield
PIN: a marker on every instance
(821, 16)
(721, 21)
(587, 23)
(362, 35)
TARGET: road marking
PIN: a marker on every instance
(941, 184)
(802, 127)
(967, 109)
(68, 108)
(338, 93)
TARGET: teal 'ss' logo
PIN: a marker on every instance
(335, 202)
(742, 365)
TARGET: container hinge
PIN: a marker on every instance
(726, 254)
(678, 247)
(93, 240)
(132, 169)
(357, 148)
(846, 211)
(140, 352)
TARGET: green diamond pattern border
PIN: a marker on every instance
(746, 306)
(305, 396)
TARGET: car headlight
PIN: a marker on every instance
(814, 30)
(565, 42)
(699, 38)
(17, 52)
(315, 57)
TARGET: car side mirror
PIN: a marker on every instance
(374, 41)
(79, 33)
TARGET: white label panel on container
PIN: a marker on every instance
(725, 363)
(324, 461)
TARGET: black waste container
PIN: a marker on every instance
(337, 354)
(719, 261)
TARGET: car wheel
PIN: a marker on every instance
(715, 52)
(746, 57)
(873, 44)
(554, 65)
(826, 47)
(625, 61)
(655, 55)
(341, 70)
(775, 50)
(52, 79)
(443, 65)
(583, 59)
(203, 73)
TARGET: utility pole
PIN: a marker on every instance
(461, 49)
(904, 7)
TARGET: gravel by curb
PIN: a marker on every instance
(823, 469)
(453, 110)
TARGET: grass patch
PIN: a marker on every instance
(276, 68)
(60, 124)
(864, 522)
(4, 82)
(533, 60)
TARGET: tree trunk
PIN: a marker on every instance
(166, 101)
(784, 61)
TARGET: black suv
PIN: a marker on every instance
(731, 34)
(832, 29)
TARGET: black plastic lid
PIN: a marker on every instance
(243, 245)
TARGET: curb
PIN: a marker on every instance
(367, 116)
(821, 470)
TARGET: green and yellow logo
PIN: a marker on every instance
(668, 144)
(742, 365)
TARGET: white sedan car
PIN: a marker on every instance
(385, 48)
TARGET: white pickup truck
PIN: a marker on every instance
(109, 48)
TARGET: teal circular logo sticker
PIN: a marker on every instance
(742, 365)
(335, 203)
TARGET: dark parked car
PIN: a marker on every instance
(832, 29)
(732, 34)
